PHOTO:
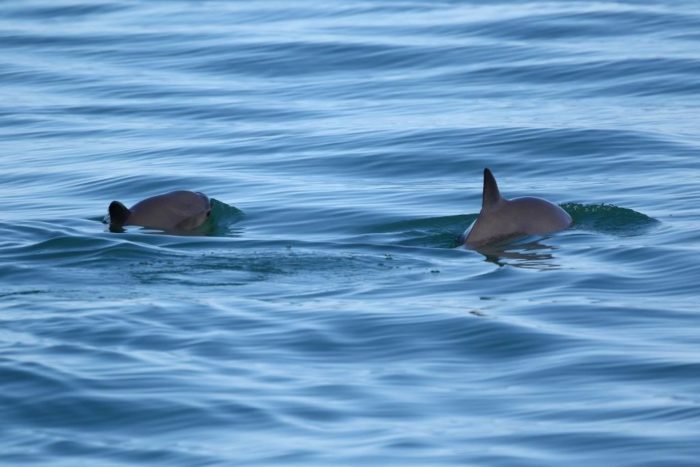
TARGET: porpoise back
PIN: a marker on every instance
(176, 210)
(501, 219)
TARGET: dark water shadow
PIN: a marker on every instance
(526, 253)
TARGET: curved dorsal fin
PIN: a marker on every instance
(118, 213)
(491, 195)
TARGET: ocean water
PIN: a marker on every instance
(327, 315)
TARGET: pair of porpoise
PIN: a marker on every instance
(500, 218)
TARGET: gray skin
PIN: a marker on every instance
(177, 210)
(502, 219)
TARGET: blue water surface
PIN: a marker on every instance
(328, 314)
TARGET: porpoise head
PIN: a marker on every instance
(177, 210)
(502, 219)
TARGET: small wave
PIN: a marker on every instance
(436, 232)
(608, 218)
(223, 216)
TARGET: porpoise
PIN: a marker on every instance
(501, 219)
(177, 210)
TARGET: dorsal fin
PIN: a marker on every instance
(118, 213)
(491, 195)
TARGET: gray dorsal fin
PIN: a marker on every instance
(118, 213)
(491, 195)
